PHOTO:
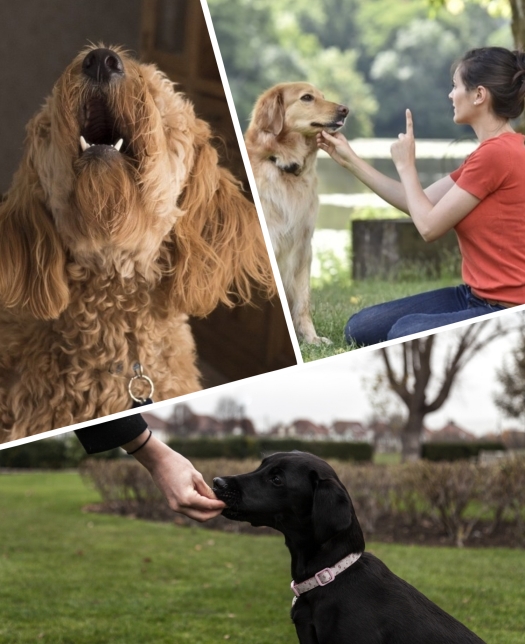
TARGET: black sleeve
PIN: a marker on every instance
(111, 434)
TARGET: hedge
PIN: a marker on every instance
(242, 447)
(49, 454)
(457, 451)
(458, 503)
(67, 452)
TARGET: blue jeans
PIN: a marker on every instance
(414, 314)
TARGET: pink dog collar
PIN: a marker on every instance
(325, 576)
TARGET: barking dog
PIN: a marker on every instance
(119, 223)
(282, 148)
(343, 595)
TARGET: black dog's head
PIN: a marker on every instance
(295, 493)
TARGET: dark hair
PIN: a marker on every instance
(501, 72)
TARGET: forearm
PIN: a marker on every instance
(339, 149)
(441, 206)
(152, 453)
(419, 205)
(390, 190)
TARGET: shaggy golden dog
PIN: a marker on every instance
(119, 223)
(282, 148)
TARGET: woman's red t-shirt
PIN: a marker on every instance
(492, 236)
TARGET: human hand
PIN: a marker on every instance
(183, 486)
(337, 147)
(403, 150)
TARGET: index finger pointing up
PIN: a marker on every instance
(410, 124)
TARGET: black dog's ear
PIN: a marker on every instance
(331, 511)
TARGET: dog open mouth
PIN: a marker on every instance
(333, 126)
(99, 134)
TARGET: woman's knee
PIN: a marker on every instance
(360, 328)
(410, 324)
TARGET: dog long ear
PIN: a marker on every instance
(32, 260)
(219, 252)
(268, 113)
(333, 512)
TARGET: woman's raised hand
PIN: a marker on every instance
(403, 150)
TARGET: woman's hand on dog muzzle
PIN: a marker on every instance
(337, 147)
(183, 486)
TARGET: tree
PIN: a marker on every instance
(516, 9)
(228, 409)
(518, 22)
(421, 385)
(415, 71)
(512, 378)
(182, 420)
(416, 75)
(264, 43)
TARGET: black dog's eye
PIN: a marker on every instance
(276, 480)
(307, 97)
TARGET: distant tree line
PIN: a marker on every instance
(376, 56)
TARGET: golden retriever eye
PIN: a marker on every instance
(307, 98)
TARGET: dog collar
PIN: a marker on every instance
(325, 576)
(292, 168)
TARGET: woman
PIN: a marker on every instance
(483, 200)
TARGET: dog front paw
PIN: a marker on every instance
(316, 339)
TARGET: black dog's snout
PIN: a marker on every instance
(102, 65)
(219, 484)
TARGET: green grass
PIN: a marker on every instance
(333, 302)
(68, 577)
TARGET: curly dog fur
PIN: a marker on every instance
(104, 253)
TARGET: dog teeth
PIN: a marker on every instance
(85, 145)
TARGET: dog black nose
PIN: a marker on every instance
(102, 65)
(342, 110)
(219, 484)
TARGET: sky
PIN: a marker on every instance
(335, 389)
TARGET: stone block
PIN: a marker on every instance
(393, 249)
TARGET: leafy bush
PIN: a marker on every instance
(371, 488)
(450, 499)
(503, 493)
(125, 487)
(448, 489)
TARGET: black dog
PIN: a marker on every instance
(343, 594)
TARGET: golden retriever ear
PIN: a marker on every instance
(268, 113)
(218, 252)
(32, 260)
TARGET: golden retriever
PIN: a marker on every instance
(118, 225)
(281, 144)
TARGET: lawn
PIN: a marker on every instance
(332, 303)
(74, 577)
